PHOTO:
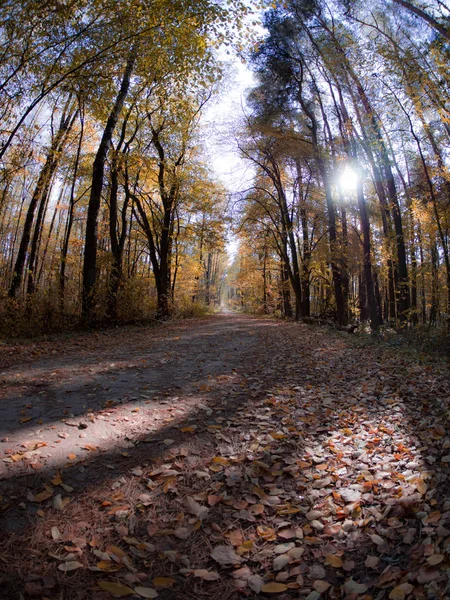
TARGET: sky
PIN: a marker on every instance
(220, 121)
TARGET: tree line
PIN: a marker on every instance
(348, 213)
(108, 210)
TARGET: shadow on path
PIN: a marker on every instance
(285, 435)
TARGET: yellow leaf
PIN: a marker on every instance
(107, 565)
(215, 468)
(72, 456)
(397, 594)
(333, 560)
(163, 582)
(45, 495)
(274, 588)
(245, 547)
(276, 435)
(435, 559)
(221, 460)
(116, 589)
(267, 533)
(57, 480)
(25, 419)
(116, 551)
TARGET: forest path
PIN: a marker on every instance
(232, 456)
(106, 387)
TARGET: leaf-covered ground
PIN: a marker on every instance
(222, 458)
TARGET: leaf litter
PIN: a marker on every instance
(318, 471)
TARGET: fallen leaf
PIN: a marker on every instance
(163, 582)
(255, 583)
(274, 588)
(372, 561)
(45, 495)
(376, 539)
(353, 587)
(333, 560)
(279, 562)
(70, 565)
(321, 586)
(206, 575)
(57, 479)
(194, 508)
(116, 589)
(225, 555)
(145, 592)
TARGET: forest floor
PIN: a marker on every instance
(220, 458)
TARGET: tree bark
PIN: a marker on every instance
(91, 239)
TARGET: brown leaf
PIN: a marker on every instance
(45, 495)
(116, 589)
(321, 586)
(274, 588)
(163, 582)
(194, 508)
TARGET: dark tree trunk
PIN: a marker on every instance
(419, 12)
(368, 277)
(90, 248)
(285, 290)
(434, 285)
(70, 217)
(39, 198)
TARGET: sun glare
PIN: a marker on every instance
(348, 180)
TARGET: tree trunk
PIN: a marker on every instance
(70, 216)
(90, 247)
(368, 278)
(39, 196)
(444, 31)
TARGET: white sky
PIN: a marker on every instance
(221, 119)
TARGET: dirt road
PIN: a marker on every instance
(225, 457)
